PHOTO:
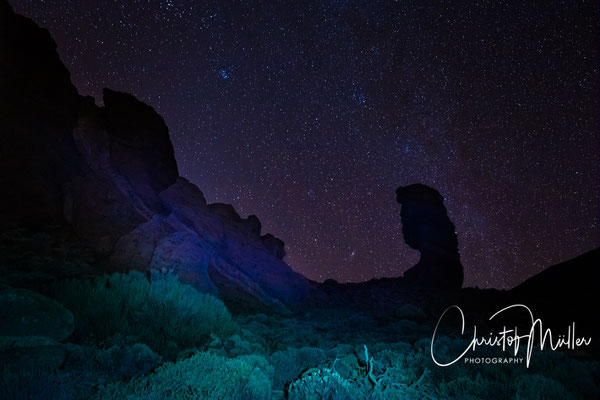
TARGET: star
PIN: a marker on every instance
(311, 116)
(224, 73)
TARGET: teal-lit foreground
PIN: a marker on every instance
(134, 336)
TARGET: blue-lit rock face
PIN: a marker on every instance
(427, 228)
(108, 176)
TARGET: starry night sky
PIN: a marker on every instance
(311, 114)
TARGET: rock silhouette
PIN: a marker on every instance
(97, 188)
(105, 179)
(427, 228)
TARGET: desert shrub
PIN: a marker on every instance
(84, 367)
(167, 315)
(561, 371)
(35, 385)
(116, 362)
(290, 363)
(579, 377)
(410, 312)
(347, 366)
(522, 387)
(323, 384)
(237, 345)
(535, 386)
(397, 368)
(402, 392)
(401, 353)
(202, 376)
(474, 388)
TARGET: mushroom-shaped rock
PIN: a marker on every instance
(427, 228)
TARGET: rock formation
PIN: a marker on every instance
(427, 228)
(566, 292)
(31, 329)
(26, 313)
(106, 178)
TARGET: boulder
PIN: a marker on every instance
(21, 353)
(28, 313)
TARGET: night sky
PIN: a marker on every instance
(311, 114)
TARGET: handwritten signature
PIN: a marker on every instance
(508, 338)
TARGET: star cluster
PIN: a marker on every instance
(311, 114)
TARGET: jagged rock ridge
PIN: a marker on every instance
(107, 177)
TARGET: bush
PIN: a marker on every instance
(35, 385)
(167, 315)
(410, 312)
(116, 362)
(241, 344)
(322, 384)
(536, 386)
(202, 376)
(290, 363)
(473, 388)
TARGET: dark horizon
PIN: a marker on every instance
(494, 107)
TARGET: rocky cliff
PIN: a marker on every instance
(106, 178)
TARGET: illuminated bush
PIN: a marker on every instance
(322, 384)
(290, 363)
(115, 362)
(167, 315)
(202, 376)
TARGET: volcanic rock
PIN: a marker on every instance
(27, 313)
(427, 228)
(105, 178)
(39, 109)
(21, 353)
